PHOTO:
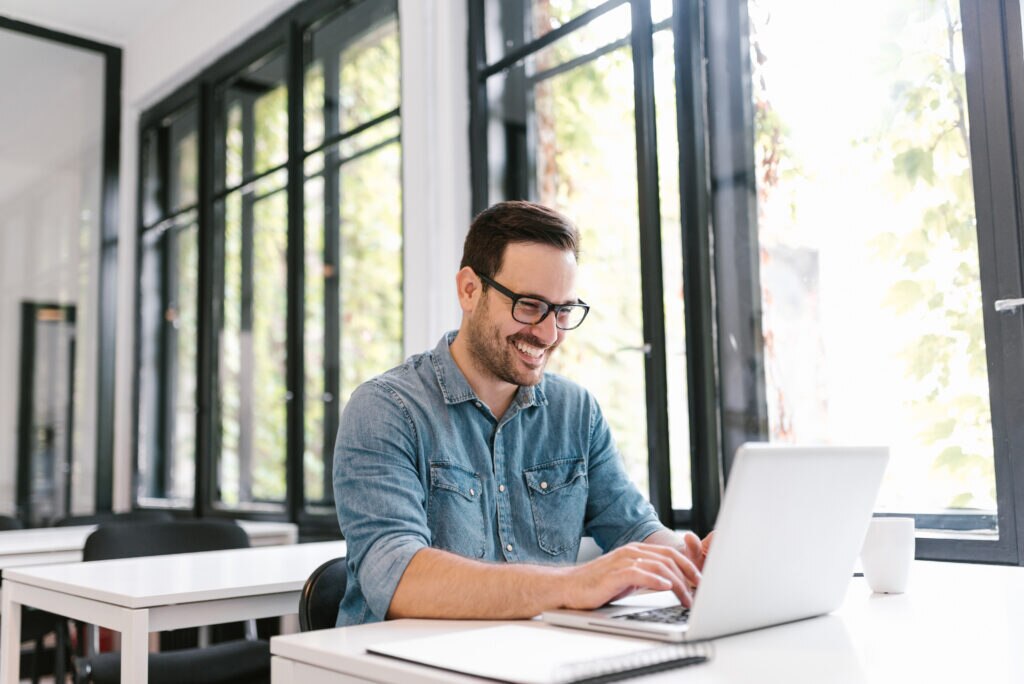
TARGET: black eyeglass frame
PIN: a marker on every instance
(515, 297)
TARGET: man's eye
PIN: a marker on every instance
(530, 306)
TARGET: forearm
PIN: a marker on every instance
(440, 584)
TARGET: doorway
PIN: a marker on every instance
(46, 412)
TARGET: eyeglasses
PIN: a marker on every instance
(533, 310)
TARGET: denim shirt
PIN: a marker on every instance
(421, 462)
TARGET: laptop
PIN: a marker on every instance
(791, 525)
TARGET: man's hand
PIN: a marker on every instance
(692, 546)
(639, 565)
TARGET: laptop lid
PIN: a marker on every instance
(791, 524)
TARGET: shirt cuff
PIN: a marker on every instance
(382, 568)
(638, 532)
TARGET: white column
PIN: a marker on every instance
(435, 163)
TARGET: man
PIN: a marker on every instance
(465, 477)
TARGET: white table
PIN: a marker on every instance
(136, 596)
(956, 623)
(46, 545)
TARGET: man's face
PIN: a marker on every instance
(511, 351)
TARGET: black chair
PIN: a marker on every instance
(234, 662)
(321, 595)
(107, 517)
(9, 523)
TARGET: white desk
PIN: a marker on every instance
(136, 596)
(956, 623)
(47, 545)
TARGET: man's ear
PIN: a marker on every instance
(468, 286)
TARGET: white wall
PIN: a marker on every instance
(435, 159)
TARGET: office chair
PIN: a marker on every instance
(321, 595)
(232, 662)
(105, 517)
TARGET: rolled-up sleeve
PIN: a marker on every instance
(379, 492)
(617, 513)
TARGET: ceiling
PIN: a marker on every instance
(56, 122)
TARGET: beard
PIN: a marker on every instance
(496, 353)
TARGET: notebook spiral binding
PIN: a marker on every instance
(635, 664)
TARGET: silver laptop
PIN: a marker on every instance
(790, 528)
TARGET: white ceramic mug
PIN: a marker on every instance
(888, 550)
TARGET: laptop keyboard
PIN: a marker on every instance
(673, 615)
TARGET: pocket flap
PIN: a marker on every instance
(550, 477)
(455, 479)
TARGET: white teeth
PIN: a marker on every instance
(535, 352)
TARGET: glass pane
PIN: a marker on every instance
(581, 135)
(183, 318)
(603, 32)
(352, 76)
(320, 277)
(672, 269)
(152, 178)
(254, 121)
(510, 25)
(371, 267)
(150, 330)
(167, 385)
(361, 98)
(184, 162)
(252, 354)
(872, 313)
(661, 10)
(387, 130)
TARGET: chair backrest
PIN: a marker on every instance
(111, 517)
(8, 523)
(119, 540)
(321, 595)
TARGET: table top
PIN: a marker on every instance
(64, 544)
(956, 623)
(162, 580)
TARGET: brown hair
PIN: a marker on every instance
(505, 223)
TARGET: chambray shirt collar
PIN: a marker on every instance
(455, 388)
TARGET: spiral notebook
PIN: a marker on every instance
(533, 654)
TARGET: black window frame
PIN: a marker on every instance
(725, 361)
(288, 33)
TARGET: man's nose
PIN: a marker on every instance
(546, 331)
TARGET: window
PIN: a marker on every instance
(570, 99)
(353, 239)
(271, 263)
(168, 316)
(825, 219)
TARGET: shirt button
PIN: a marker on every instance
(543, 485)
(501, 488)
(478, 405)
(472, 492)
(508, 547)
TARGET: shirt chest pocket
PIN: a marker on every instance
(558, 499)
(455, 511)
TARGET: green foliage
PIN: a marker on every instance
(926, 139)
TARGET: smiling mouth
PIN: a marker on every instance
(531, 354)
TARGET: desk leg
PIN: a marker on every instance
(135, 648)
(10, 635)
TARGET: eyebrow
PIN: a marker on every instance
(532, 295)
